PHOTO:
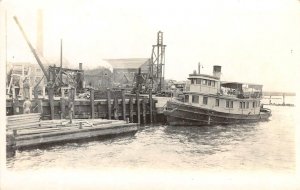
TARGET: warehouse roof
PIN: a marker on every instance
(131, 63)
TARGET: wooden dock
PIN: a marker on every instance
(27, 130)
(101, 104)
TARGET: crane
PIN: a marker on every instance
(32, 49)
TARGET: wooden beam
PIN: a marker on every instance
(92, 103)
(131, 109)
(138, 106)
(116, 108)
(151, 105)
(99, 109)
(123, 105)
(62, 108)
(144, 110)
(16, 109)
(108, 104)
(51, 102)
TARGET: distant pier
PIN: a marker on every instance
(277, 96)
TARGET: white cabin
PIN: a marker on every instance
(207, 91)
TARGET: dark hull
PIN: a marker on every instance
(187, 115)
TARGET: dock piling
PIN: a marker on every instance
(151, 105)
(144, 110)
(116, 108)
(131, 109)
(51, 102)
(92, 91)
(62, 108)
(15, 104)
(40, 106)
(138, 107)
(72, 93)
(108, 104)
(123, 105)
(99, 109)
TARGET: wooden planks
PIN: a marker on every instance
(92, 103)
(108, 104)
(23, 121)
(53, 131)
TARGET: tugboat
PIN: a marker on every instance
(211, 101)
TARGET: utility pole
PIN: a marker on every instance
(61, 59)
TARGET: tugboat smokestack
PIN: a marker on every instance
(217, 71)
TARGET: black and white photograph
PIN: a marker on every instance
(160, 94)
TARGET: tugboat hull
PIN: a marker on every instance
(178, 113)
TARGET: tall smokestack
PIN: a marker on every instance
(40, 33)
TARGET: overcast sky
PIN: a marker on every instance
(256, 41)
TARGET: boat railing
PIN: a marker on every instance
(240, 94)
(246, 95)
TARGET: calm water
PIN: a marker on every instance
(261, 146)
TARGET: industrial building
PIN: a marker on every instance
(124, 70)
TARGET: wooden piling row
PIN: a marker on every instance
(137, 108)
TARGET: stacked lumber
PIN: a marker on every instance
(53, 131)
(30, 124)
(17, 122)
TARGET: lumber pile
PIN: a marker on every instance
(34, 132)
(27, 124)
(23, 121)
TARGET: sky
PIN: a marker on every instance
(255, 41)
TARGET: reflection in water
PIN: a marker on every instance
(260, 146)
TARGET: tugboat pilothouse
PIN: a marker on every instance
(212, 102)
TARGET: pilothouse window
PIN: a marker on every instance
(195, 99)
(213, 83)
(217, 102)
(205, 99)
(229, 104)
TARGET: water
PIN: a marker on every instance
(268, 146)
